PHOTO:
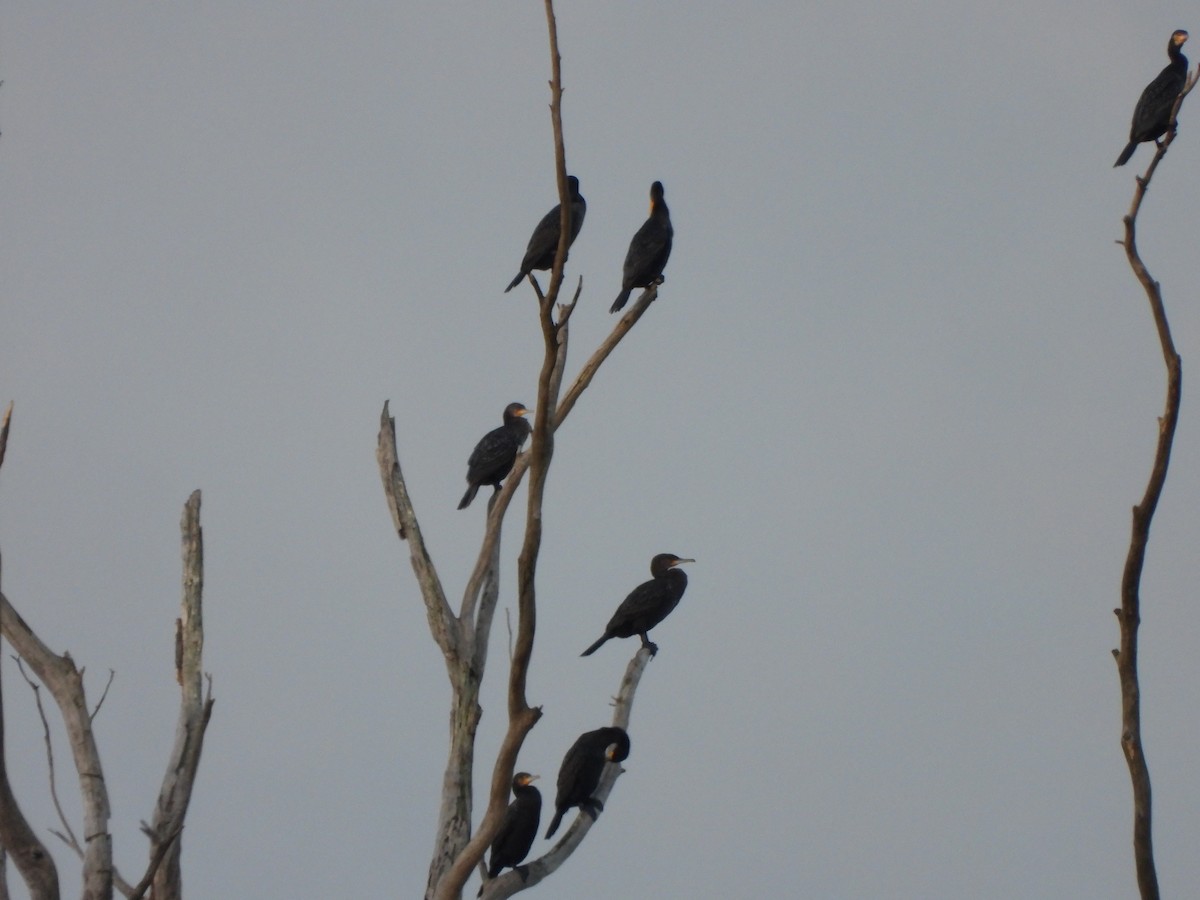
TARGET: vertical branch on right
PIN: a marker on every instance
(1129, 614)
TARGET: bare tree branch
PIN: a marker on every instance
(442, 623)
(16, 836)
(65, 683)
(99, 703)
(195, 710)
(69, 838)
(1129, 615)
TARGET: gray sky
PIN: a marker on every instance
(897, 398)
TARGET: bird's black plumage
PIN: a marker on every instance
(1152, 115)
(543, 244)
(494, 455)
(521, 820)
(581, 769)
(649, 249)
(648, 603)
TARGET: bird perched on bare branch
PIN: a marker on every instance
(543, 243)
(515, 837)
(648, 603)
(579, 775)
(494, 455)
(1152, 115)
(649, 249)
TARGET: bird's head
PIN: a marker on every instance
(664, 562)
(656, 195)
(515, 411)
(524, 779)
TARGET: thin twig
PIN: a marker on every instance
(69, 838)
(99, 703)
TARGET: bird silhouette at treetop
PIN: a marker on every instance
(1152, 115)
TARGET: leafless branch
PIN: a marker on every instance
(99, 703)
(69, 838)
(1129, 615)
(442, 623)
(16, 836)
(195, 710)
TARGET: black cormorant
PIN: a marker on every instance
(520, 826)
(1152, 115)
(581, 770)
(494, 455)
(649, 249)
(543, 244)
(648, 603)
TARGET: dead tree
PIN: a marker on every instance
(463, 636)
(64, 681)
(1129, 614)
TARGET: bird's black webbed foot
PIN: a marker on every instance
(649, 645)
(592, 808)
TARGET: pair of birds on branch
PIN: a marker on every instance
(1152, 115)
(578, 778)
(648, 251)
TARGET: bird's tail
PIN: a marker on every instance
(596, 646)
(468, 497)
(620, 302)
(1125, 154)
(514, 282)
(554, 822)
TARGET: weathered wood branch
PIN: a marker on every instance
(1129, 615)
(442, 623)
(195, 710)
(65, 683)
(18, 839)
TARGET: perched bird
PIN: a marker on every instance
(1152, 115)
(543, 244)
(649, 249)
(516, 835)
(581, 770)
(648, 603)
(494, 455)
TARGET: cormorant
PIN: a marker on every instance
(543, 244)
(494, 455)
(649, 249)
(520, 826)
(1152, 115)
(648, 603)
(581, 770)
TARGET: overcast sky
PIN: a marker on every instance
(897, 398)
